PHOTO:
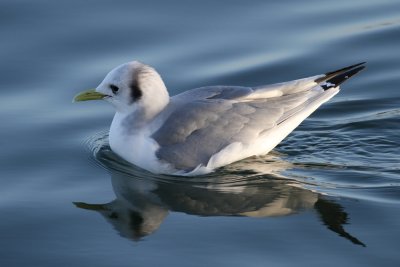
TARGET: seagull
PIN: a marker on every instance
(202, 129)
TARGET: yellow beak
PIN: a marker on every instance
(88, 95)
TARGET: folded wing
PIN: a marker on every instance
(204, 121)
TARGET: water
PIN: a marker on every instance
(329, 194)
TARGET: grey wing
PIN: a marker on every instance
(206, 120)
(203, 121)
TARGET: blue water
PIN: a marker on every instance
(328, 195)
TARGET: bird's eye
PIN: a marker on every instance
(114, 88)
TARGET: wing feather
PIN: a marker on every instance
(205, 120)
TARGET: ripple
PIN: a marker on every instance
(304, 161)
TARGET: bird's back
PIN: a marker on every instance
(210, 127)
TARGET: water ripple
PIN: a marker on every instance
(307, 160)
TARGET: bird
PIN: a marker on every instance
(202, 129)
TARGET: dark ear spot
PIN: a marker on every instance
(136, 93)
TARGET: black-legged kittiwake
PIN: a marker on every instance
(205, 128)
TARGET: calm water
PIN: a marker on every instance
(329, 194)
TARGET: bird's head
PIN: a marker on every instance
(129, 87)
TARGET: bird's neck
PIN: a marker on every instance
(127, 124)
(142, 118)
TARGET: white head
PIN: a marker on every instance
(131, 87)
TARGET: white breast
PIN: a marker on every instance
(136, 147)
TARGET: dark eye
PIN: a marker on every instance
(114, 88)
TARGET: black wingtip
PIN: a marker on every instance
(344, 69)
(337, 77)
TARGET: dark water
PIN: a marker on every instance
(328, 195)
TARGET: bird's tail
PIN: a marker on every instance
(337, 77)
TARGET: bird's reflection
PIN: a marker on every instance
(143, 200)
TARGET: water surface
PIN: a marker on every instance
(328, 194)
